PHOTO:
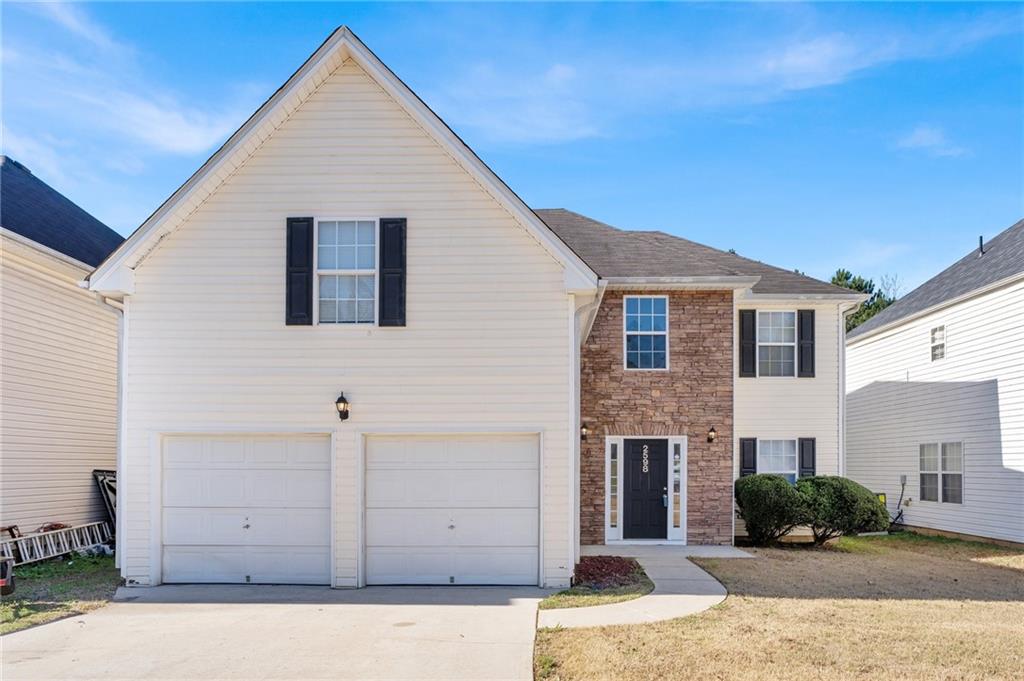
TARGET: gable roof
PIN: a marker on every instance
(115, 273)
(614, 252)
(37, 211)
(1003, 258)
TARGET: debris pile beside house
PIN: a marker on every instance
(52, 540)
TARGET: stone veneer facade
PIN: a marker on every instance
(695, 394)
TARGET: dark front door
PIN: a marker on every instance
(646, 491)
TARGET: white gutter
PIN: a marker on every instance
(682, 283)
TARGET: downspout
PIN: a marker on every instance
(582, 322)
(845, 310)
(119, 534)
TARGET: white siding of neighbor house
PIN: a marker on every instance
(898, 399)
(58, 390)
(783, 408)
(486, 348)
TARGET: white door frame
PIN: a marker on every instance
(674, 535)
(363, 436)
(156, 487)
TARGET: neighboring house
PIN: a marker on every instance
(345, 240)
(58, 348)
(936, 396)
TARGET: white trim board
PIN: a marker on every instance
(114, 276)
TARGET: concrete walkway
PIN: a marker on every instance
(286, 632)
(680, 587)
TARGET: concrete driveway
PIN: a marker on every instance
(286, 632)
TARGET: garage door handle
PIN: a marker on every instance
(246, 526)
(451, 527)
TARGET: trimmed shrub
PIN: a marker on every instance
(601, 572)
(838, 506)
(770, 507)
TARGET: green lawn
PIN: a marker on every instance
(57, 588)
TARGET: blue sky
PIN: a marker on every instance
(880, 138)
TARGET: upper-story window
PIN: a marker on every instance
(938, 343)
(776, 343)
(646, 332)
(346, 268)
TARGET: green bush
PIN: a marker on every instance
(770, 507)
(838, 506)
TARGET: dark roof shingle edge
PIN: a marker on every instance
(1003, 258)
(38, 212)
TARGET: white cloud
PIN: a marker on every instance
(932, 140)
(75, 20)
(550, 96)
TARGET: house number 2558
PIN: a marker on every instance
(646, 460)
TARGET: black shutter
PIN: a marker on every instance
(392, 272)
(805, 342)
(748, 456)
(808, 456)
(748, 343)
(299, 272)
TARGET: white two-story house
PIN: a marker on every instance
(353, 355)
(936, 397)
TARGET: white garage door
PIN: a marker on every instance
(247, 509)
(452, 510)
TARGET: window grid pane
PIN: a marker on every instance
(347, 298)
(677, 457)
(776, 340)
(929, 458)
(952, 488)
(646, 321)
(777, 457)
(929, 486)
(613, 484)
(348, 246)
(952, 457)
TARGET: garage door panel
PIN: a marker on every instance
(496, 565)
(406, 487)
(247, 508)
(403, 527)
(394, 565)
(452, 510)
(495, 527)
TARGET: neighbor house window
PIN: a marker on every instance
(942, 472)
(346, 266)
(938, 342)
(776, 343)
(777, 457)
(646, 332)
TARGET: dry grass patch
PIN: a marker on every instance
(55, 589)
(870, 608)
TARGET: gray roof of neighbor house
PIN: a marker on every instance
(37, 211)
(1003, 257)
(613, 252)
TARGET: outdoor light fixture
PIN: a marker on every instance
(712, 434)
(342, 404)
(584, 431)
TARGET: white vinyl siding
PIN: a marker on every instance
(898, 398)
(486, 347)
(58, 396)
(788, 408)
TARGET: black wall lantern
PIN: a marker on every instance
(712, 434)
(584, 431)
(342, 404)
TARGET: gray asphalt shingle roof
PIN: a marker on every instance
(613, 252)
(1003, 257)
(37, 211)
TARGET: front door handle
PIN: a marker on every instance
(664, 500)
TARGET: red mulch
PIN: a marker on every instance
(602, 572)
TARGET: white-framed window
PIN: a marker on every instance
(778, 457)
(776, 343)
(346, 271)
(942, 472)
(645, 331)
(938, 342)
